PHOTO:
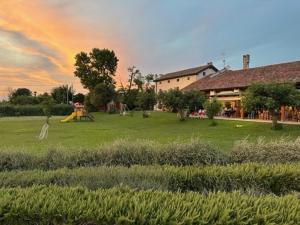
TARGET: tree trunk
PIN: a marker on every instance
(181, 114)
(274, 114)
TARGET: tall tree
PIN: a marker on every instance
(270, 97)
(133, 74)
(98, 66)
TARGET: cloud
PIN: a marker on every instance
(42, 36)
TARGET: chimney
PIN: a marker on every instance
(246, 61)
(209, 63)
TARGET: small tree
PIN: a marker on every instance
(270, 97)
(102, 94)
(212, 108)
(178, 101)
(195, 100)
(62, 94)
(79, 97)
(147, 100)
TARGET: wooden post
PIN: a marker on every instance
(282, 113)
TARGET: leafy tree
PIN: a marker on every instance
(88, 105)
(99, 66)
(102, 94)
(24, 100)
(212, 108)
(130, 98)
(195, 100)
(79, 97)
(62, 94)
(270, 97)
(178, 101)
(21, 92)
(19, 96)
(175, 101)
(147, 100)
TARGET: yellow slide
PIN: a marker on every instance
(70, 117)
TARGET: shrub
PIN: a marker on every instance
(120, 153)
(56, 205)
(279, 151)
(34, 110)
(254, 178)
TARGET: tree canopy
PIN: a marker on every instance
(176, 100)
(271, 97)
(212, 108)
(102, 94)
(62, 94)
(98, 66)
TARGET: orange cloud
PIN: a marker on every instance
(46, 41)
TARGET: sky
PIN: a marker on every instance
(40, 38)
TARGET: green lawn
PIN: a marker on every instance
(21, 133)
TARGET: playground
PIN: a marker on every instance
(21, 133)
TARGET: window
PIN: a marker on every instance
(188, 78)
(168, 81)
(160, 90)
(177, 80)
(160, 82)
(204, 73)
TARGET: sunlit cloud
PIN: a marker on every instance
(39, 38)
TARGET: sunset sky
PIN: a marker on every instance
(39, 38)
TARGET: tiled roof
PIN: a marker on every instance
(228, 79)
(187, 72)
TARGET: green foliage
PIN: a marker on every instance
(99, 66)
(20, 92)
(212, 107)
(120, 153)
(57, 205)
(279, 151)
(147, 99)
(178, 101)
(195, 100)
(102, 94)
(131, 99)
(34, 110)
(270, 97)
(79, 97)
(88, 105)
(62, 94)
(249, 178)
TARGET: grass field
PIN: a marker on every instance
(21, 133)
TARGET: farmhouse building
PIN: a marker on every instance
(183, 78)
(228, 85)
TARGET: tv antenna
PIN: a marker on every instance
(223, 59)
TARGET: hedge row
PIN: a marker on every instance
(120, 153)
(78, 206)
(283, 150)
(254, 178)
(128, 153)
(33, 110)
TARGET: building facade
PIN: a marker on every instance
(228, 85)
(183, 78)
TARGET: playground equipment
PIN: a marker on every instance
(44, 130)
(79, 114)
